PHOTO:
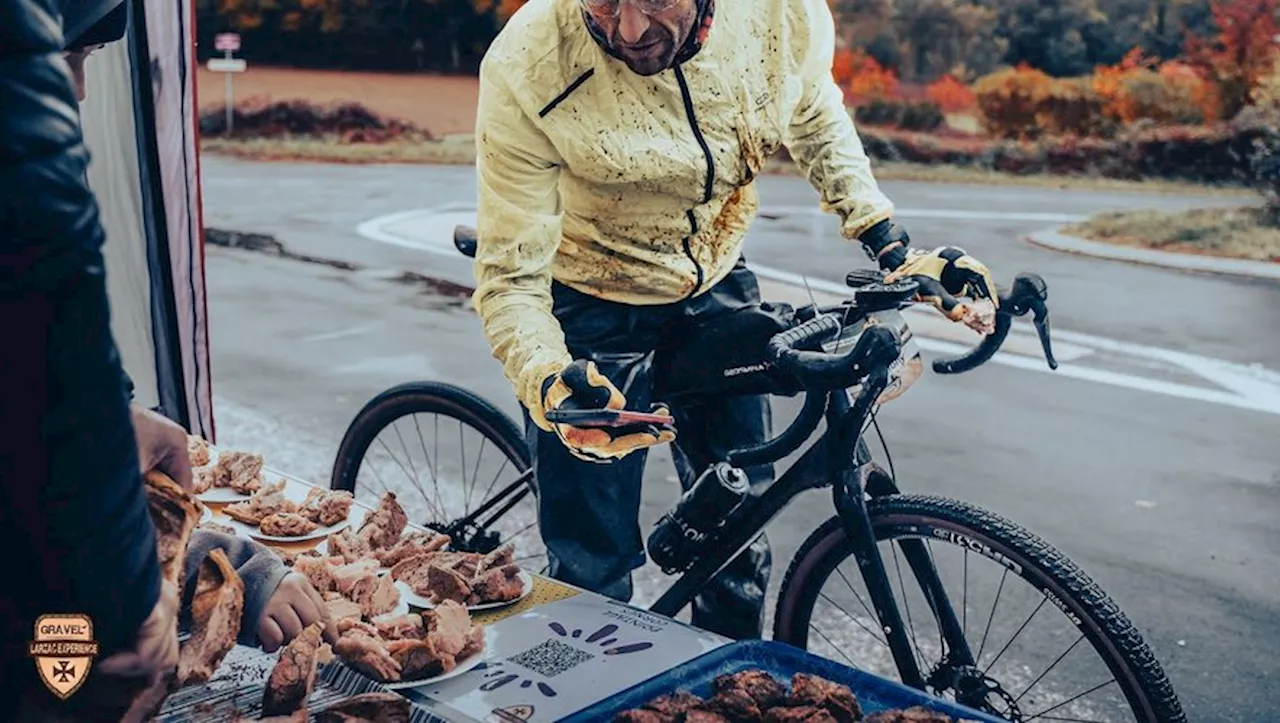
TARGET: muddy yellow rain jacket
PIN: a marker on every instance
(639, 189)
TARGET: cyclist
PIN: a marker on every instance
(617, 144)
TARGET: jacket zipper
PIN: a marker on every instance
(707, 185)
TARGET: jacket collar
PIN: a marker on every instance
(692, 44)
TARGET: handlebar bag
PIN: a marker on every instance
(725, 355)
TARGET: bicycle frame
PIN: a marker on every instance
(833, 460)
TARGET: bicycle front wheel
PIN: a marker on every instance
(457, 464)
(1093, 665)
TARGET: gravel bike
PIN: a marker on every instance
(846, 360)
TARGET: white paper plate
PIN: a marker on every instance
(418, 601)
(219, 495)
(463, 667)
(401, 608)
(319, 533)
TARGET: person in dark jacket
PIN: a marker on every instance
(75, 532)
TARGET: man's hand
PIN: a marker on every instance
(162, 445)
(945, 273)
(294, 606)
(581, 386)
(156, 650)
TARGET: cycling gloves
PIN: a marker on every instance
(945, 273)
(581, 386)
(886, 243)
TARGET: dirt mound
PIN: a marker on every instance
(349, 122)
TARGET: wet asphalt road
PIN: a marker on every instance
(1171, 504)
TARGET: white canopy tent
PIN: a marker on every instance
(141, 124)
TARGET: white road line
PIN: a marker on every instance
(343, 333)
(771, 212)
(1243, 387)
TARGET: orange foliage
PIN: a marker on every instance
(1242, 54)
(950, 95)
(1140, 87)
(842, 66)
(870, 81)
(1010, 100)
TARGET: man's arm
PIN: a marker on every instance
(822, 138)
(69, 481)
(519, 233)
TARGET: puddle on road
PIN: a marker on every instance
(443, 294)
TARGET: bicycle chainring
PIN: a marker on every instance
(974, 688)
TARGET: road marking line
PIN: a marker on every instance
(775, 212)
(1115, 379)
(343, 333)
(1245, 387)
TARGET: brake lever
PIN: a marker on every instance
(1028, 293)
(1041, 321)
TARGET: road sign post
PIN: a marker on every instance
(228, 65)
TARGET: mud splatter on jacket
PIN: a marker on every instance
(640, 189)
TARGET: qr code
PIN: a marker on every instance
(551, 658)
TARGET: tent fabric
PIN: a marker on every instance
(106, 117)
(150, 196)
(171, 41)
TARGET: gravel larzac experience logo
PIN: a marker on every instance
(64, 649)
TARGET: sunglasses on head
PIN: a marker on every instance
(612, 8)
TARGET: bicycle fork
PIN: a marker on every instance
(857, 526)
(848, 494)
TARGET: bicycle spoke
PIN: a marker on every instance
(431, 468)
(521, 531)
(856, 621)
(435, 446)
(964, 598)
(1052, 665)
(1018, 632)
(416, 486)
(475, 473)
(374, 470)
(977, 659)
(918, 652)
(1072, 699)
(832, 644)
(505, 461)
(933, 602)
(865, 606)
(395, 426)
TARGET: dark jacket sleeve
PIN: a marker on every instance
(259, 568)
(73, 505)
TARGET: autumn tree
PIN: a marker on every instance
(1242, 53)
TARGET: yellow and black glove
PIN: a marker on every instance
(943, 274)
(581, 386)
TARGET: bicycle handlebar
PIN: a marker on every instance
(877, 346)
(1027, 293)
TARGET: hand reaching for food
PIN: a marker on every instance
(162, 445)
(294, 606)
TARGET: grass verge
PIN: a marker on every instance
(461, 151)
(1231, 233)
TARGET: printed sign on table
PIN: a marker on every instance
(561, 657)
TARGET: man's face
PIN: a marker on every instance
(75, 59)
(645, 33)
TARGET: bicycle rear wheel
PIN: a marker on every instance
(1015, 690)
(427, 442)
